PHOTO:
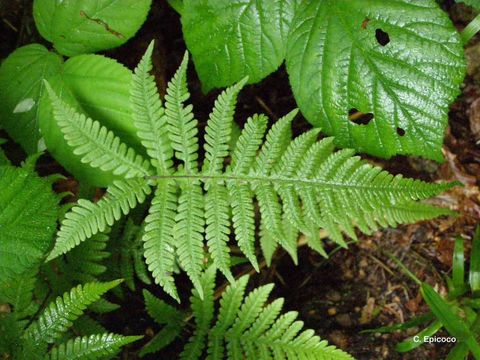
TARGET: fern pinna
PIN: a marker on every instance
(300, 185)
(245, 326)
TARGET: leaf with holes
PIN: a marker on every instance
(395, 74)
(232, 39)
(83, 26)
(21, 76)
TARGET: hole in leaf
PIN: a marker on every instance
(359, 117)
(382, 37)
(365, 23)
(400, 131)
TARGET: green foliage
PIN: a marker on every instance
(91, 347)
(99, 87)
(83, 26)
(244, 38)
(301, 185)
(28, 219)
(87, 219)
(127, 251)
(164, 314)
(31, 341)
(21, 81)
(245, 326)
(383, 58)
(457, 312)
(400, 75)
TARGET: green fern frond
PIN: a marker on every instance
(149, 115)
(91, 347)
(202, 305)
(163, 314)
(85, 262)
(158, 239)
(249, 328)
(299, 185)
(59, 315)
(182, 127)
(97, 145)
(87, 218)
(188, 232)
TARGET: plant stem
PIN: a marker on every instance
(472, 28)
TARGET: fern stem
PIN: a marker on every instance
(276, 179)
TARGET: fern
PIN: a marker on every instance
(246, 327)
(98, 146)
(60, 314)
(163, 314)
(87, 219)
(91, 347)
(127, 254)
(300, 185)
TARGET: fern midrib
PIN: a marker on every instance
(275, 179)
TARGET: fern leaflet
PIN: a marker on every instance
(97, 145)
(91, 347)
(60, 314)
(87, 219)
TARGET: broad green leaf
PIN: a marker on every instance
(28, 215)
(21, 81)
(232, 39)
(98, 87)
(83, 26)
(399, 60)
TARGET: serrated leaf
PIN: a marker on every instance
(244, 38)
(21, 81)
(401, 61)
(98, 87)
(28, 215)
(83, 26)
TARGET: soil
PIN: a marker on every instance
(355, 289)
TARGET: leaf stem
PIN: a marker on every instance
(472, 28)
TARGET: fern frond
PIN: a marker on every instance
(182, 127)
(91, 347)
(85, 262)
(298, 185)
(97, 145)
(159, 243)
(149, 115)
(202, 305)
(59, 315)
(188, 232)
(87, 219)
(163, 314)
(249, 328)
(219, 128)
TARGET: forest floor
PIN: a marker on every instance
(355, 289)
